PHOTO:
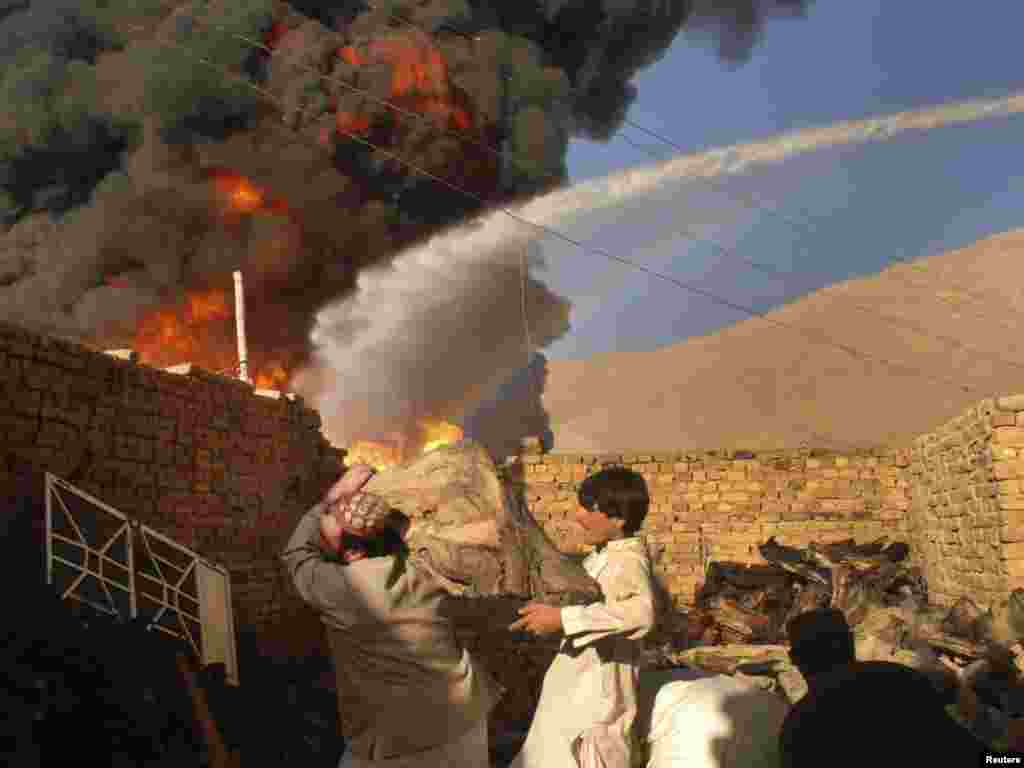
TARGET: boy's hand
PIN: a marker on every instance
(539, 619)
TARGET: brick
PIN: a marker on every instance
(1004, 419)
(55, 434)
(1010, 403)
(26, 402)
(1008, 488)
(1013, 436)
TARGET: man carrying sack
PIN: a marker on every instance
(422, 700)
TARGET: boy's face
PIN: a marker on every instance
(597, 527)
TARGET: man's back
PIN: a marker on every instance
(400, 669)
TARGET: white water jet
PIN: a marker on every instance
(443, 325)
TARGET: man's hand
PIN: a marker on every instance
(330, 532)
(539, 619)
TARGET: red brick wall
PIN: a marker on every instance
(200, 458)
(719, 505)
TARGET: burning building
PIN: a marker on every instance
(148, 150)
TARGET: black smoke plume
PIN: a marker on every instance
(134, 174)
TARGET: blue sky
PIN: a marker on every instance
(856, 208)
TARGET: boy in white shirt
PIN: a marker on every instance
(588, 701)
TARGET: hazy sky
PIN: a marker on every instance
(837, 212)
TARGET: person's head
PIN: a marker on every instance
(612, 504)
(819, 641)
(355, 524)
(875, 713)
(350, 547)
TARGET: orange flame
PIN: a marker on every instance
(419, 81)
(273, 376)
(172, 334)
(349, 123)
(429, 435)
(239, 194)
(437, 434)
(350, 55)
(200, 328)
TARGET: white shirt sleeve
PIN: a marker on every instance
(629, 608)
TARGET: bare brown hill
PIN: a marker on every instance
(756, 385)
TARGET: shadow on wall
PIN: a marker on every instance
(514, 412)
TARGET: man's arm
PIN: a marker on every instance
(320, 582)
(628, 610)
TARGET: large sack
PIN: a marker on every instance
(469, 528)
(709, 721)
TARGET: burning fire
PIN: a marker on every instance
(240, 196)
(396, 448)
(438, 433)
(174, 334)
(200, 329)
(419, 82)
(274, 376)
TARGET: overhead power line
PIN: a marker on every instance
(747, 199)
(814, 336)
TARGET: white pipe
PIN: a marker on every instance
(243, 353)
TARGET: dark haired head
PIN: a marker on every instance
(617, 492)
(820, 640)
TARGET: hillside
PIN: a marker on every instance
(757, 385)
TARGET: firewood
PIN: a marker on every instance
(744, 623)
(794, 561)
(724, 659)
(745, 576)
(955, 646)
(965, 619)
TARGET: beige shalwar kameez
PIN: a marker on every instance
(417, 694)
(588, 701)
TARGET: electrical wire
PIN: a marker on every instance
(688, 233)
(803, 223)
(814, 336)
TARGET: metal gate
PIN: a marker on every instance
(98, 556)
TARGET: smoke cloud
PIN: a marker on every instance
(428, 335)
(135, 177)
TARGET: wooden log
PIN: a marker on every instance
(745, 576)
(724, 659)
(954, 646)
(965, 619)
(743, 623)
(808, 597)
(794, 561)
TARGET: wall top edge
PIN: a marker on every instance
(26, 343)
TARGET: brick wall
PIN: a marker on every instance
(198, 457)
(720, 505)
(227, 471)
(968, 510)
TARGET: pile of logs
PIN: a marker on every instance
(884, 598)
(742, 610)
(752, 603)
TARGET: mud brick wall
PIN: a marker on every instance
(719, 505)
(200, 458)
(968, 503)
